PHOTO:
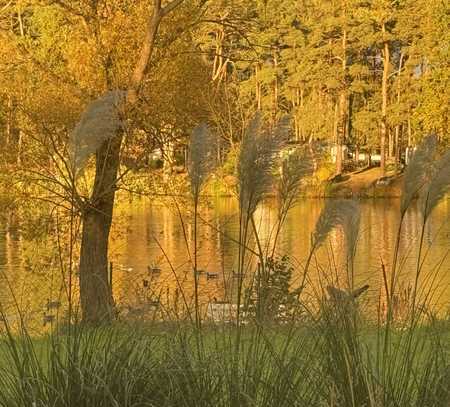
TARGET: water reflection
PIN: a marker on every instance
(153, 235)
(157, 236)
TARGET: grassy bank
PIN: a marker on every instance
(331, 361)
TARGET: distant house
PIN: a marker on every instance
(349, 153)
(333, 152)
(364, 157)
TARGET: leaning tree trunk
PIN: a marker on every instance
(95, 293)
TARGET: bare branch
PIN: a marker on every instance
(157, 4)
(148, 45)
(5, 7)
(170, 7)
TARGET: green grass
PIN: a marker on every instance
(316, 364)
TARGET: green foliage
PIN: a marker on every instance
(271, 298)
(229, 166)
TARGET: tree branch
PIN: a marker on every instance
(170, 6)
(71, 9)
(148, 45)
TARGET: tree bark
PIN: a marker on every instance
(96, 297)
(397, 127)
(397, 148)
(275, 90)
(384, 91)
(409, 131)
(390, 149)
(258, 88)
(340, 133)
(9, 122)
(95, 292)
(301, 119)
(342, 126)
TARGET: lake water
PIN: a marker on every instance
(156, 237)
(148, 235)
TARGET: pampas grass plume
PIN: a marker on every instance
(98, 123)
(294, 168)
(438, 187)
(343, 213)
(201, 157)
(418, 171)
(258, 155)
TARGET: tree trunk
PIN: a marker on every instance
(336, 123)
(342, 126)
(341, 131)
(95, 292)
(390, 144)
(257, 88)
(384, 91)
(9, 123)
(302, 104)
(397, 127)
(335, 132)
(409, 132)
(296, 127)
(397, 148)
(275, 91)
(19, 147)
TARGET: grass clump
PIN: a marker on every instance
(330, 361)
